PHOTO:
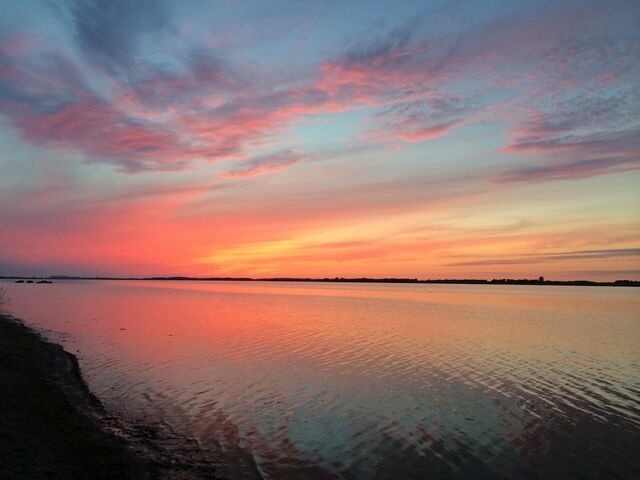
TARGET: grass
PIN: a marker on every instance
(42, 435)
(4, 298)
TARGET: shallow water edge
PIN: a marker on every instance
(52, 424)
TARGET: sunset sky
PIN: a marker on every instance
(423, 139)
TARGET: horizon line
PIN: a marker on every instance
(479, 281)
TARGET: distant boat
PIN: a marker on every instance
(44, 281)
(19, 281)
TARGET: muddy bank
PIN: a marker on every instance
(51, 426)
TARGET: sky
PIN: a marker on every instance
(428, 139)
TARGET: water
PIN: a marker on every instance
(364, 381)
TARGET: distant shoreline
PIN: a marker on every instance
(501, 281)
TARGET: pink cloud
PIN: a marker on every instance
(99, 131)
(161, 118)
(427, 133)
(410, 134)
(261, 165)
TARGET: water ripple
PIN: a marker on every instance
(366, 382)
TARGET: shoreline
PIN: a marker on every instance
(452, 281)
(52, 426)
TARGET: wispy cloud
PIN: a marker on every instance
(266, 164)
(162, 115)
(109, 33)
(554, 257)
(568, 170)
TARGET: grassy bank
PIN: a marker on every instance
(52, 427)
(48, 418)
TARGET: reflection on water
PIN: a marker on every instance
(365, 381)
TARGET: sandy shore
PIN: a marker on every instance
(51, 426)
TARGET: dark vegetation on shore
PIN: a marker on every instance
(464, 281)
(42, 433)
(51, 426)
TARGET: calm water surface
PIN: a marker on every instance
(361, 381)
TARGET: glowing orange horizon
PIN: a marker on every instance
(483, 146)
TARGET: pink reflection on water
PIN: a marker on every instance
(332, 373)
